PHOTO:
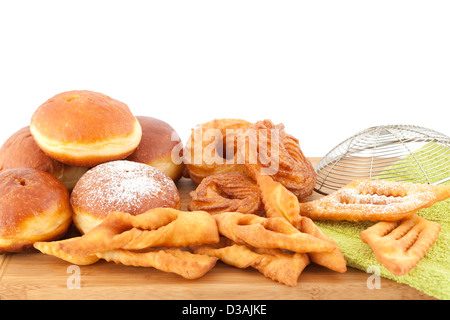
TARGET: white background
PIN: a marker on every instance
(326, 69)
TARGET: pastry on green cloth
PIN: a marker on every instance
(432, 274)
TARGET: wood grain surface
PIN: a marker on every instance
(38, 276)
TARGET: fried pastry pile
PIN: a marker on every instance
(234, 145)
(279, 242)
(249, 210)
(392, 204)
(182, 243)
(158, 238)
(252, 187)
(280, 202)
(400, 238)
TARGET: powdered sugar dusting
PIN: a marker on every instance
(352, 197)
(385, 196)
(124, 186)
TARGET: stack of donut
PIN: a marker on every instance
(83, 156)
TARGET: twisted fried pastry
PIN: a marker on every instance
(160, 227)
(375, 200)
(279, 201)
(333, 260)
(52, 248)
(275, 264)
(270, 151)
(400, 245)
(184, 263)
(268, 233)
(156, 238)
(228, 192)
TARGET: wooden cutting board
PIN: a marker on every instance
(39, 276)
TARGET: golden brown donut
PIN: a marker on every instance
(212, 149)
(21, 151)
(85, 128)
(34, 206)
(124, 186)
(158, 141)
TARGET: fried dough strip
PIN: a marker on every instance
(227, 192)
(184, 263)
(400, 245)
(278, 201)
(162, 227)
(375, 200)
(268, 233)
(333, 260)
(274, 264)
(52, 248)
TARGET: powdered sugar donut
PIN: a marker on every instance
(124, 186)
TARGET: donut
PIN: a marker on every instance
(34, 206)
(123, 186)
(85, 128)
(21, 151)
(212, 149)
(158, 142)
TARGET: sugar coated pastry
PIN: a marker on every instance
(85, 128)
(21, 151)
(375, 200)
(34, 206)
(158, 142)
(124, 186)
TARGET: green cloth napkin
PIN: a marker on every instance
(432, 274)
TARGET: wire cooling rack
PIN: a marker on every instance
(394, 152)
